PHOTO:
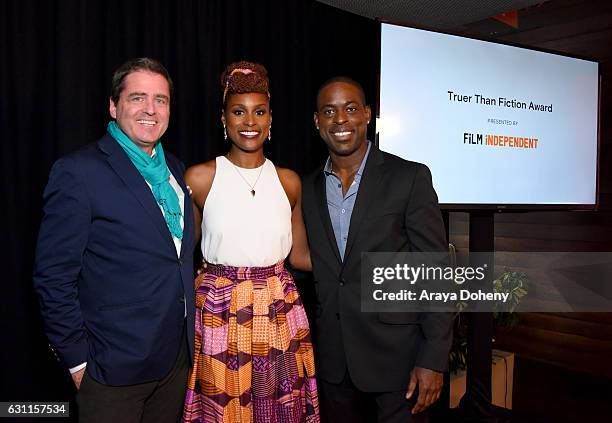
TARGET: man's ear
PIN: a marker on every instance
(368, 113)
(316, 119)
(112, 108)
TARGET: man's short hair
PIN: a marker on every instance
(135, 65)
(346, 80)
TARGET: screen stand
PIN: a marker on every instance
(475, 406)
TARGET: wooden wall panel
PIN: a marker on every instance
(569, 345)
(578, 341)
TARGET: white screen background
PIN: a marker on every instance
(419, 123)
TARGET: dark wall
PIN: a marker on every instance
(56, 60)
(579, 341)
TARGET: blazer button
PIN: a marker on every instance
(180, 262)
(342, 282)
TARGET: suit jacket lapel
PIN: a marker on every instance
(368, 186)
(321, 199)
(134, 181)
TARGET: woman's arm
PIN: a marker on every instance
(299, 257)
(200, 178)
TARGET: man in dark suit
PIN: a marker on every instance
(384, 367)
(114, 266)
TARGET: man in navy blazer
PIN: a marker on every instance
(115, 284)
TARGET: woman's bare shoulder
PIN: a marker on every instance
(291, 183)
(200, 173)
(200, 178)
(288, 176)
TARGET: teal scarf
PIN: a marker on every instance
(155, 171)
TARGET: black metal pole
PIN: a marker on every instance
(476, 403)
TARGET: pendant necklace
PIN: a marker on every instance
(244, 179)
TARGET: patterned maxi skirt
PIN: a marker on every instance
(253, 354)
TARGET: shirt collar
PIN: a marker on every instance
(327, 169)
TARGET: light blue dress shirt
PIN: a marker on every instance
(341, 206)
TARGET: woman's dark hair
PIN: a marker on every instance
(244, 77)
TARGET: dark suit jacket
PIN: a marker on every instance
(396, 210)
(111, 286)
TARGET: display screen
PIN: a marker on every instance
(497, 125)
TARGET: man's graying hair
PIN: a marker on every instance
(135, 65)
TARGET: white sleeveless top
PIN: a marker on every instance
(240, 229)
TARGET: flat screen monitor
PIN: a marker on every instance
(498, 126)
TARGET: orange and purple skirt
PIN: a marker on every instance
(253, 353)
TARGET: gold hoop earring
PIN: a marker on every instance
(224, 133)
(270, 133)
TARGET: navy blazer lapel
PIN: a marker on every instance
(125, 169)
(368, 186)
(321, 198)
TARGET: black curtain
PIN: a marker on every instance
(56, 60)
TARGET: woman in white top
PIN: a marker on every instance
(253, 360)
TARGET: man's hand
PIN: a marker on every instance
(77, 377)
(430, 385)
